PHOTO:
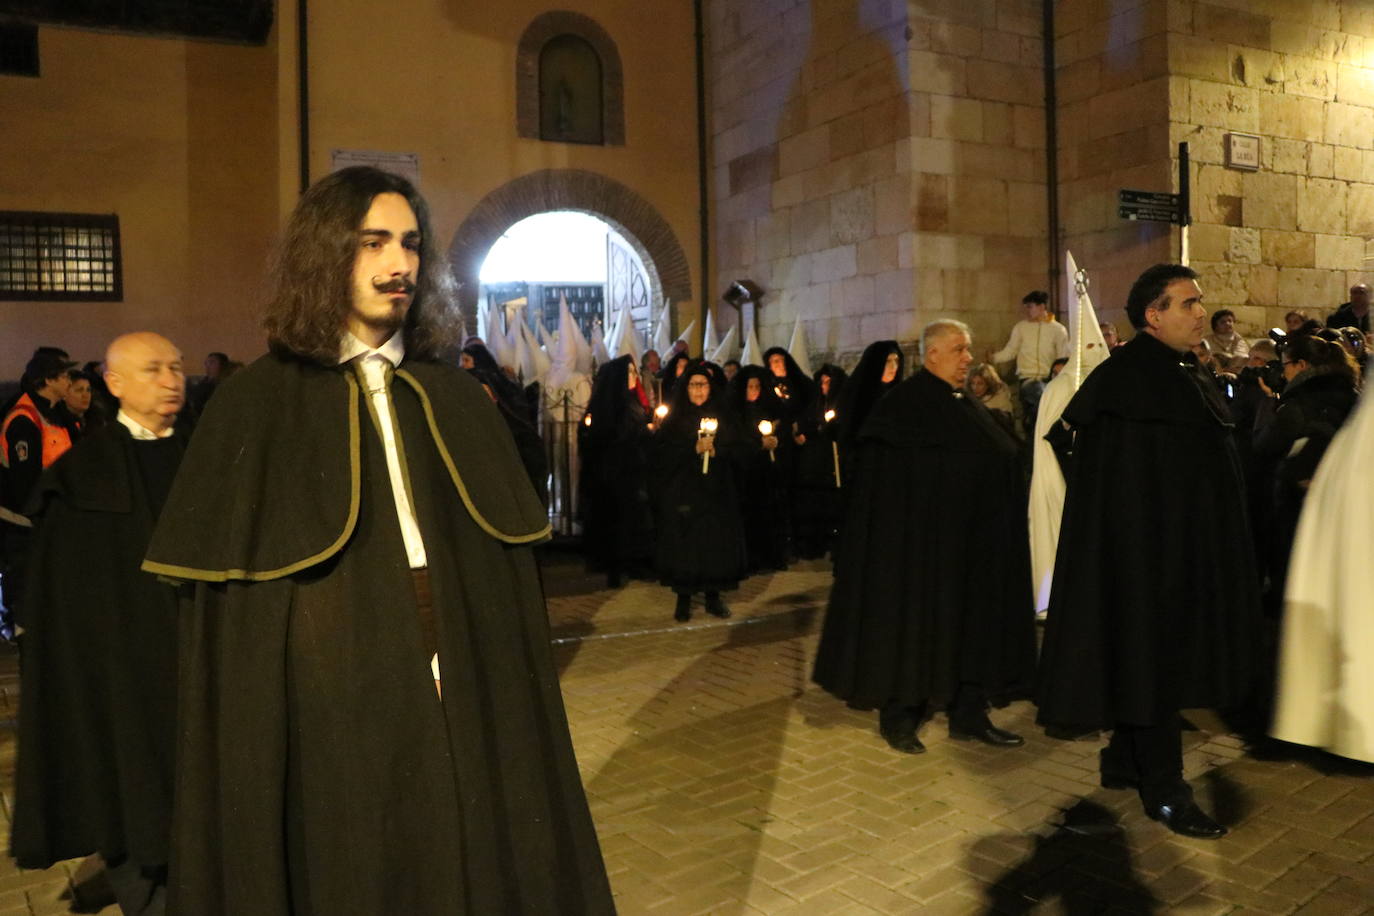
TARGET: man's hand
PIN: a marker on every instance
(706, 444)
(770, 442)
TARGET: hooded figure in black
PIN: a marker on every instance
(695, 491)
(669, 374)
(916, 620)
(880, 369)
(352, 529)
(1154, 606)
(98, 718)
(816, 505)
(795, 391)
(765, 468)
(525, 434)
(508, 391)
(617, 518)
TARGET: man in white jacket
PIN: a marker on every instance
(1036, 342)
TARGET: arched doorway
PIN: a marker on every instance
(633, 218)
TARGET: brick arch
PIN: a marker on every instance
(536, 35)
(571, 189)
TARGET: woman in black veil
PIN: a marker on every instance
(766, 464)
(694, 462)
(816, 503)
(880, 369)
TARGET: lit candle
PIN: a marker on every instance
(661, 411)
(587, 420)
(766, 429)
(829, 415)
(707, 430)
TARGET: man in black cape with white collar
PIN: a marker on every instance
(919, 618)
(97, 720)
(1155, 602)
(356, 522)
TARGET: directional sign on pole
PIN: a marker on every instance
(1154, 206)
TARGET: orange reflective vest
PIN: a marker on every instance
(56, 437)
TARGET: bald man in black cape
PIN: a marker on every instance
(920, 617)
(357, 525)
(1155, 602)
(97, 721)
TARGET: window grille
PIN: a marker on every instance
(60, 257)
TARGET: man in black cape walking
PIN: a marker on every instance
(917, 619)
(356, 522)
(1155, 601)
(96, 732)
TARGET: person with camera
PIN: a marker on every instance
(1294, 428)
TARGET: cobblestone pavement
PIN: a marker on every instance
(722, 781)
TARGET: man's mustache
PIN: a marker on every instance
(396, 285)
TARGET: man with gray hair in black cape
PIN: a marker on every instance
(356, 524)
(1155, 601)
(917, 619)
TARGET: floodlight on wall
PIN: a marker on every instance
(742, 291)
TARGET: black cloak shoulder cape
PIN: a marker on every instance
(317, 770)
(1155, 603)
(933, 586)
(99, 703)
(700, 534)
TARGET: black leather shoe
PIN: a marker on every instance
(717, 608)
(1187, 819)
(906, 742)
(988, 734)
(683, 612)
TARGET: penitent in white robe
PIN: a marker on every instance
(1047, 488)
(1326, 656)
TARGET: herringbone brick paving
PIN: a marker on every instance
(722, 781)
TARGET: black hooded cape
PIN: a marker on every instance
(97, 720)
(917, 608)
(1155, 601)
(700, 533)
(317, 770)
(765, 494)
(617, 518)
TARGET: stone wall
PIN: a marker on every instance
(1292, 235)
(878, 164)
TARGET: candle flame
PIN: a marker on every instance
(661, 411)
(829, 415)
(765, 427)
(708, 425)
(587, 420)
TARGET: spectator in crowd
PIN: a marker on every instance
(649, 366)
(104, 406)
(694, 479)
(917, 621)
(97, 726)
(216, 369)
(1293, 430)
(1036, 342)
(34, 433)
(1294, 320)
(987, 386)
(1352, 314)
(1229, 348)
(617, 518)
(78, 402)
(1110, 335)
(1057, 367)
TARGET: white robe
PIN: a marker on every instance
(1326, 656)
(1046, 507)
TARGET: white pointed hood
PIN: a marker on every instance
(663, 329)
(686, 335)
(800, 348)
(727, 348)
(753, 353)
(709, 341)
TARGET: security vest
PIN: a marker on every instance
(56, 437)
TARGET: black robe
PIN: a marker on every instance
(97, 719)
(700, 533)
(933, 585)
(617, 518)
(1154, 606)
(318, 771)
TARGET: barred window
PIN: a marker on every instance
(72, 257)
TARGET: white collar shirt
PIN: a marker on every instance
(375, 364)
(139, 431)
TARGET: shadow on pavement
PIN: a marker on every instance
(1085, 864)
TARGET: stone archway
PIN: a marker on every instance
(570, 189)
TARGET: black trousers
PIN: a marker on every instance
(967, 712)
(1152, 756)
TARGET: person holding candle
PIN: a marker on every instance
(816, 495)
(765, 468)
(693, 466)
(916, 621)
